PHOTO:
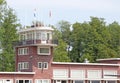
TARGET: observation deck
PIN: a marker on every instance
(39, 35)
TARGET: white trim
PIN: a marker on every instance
(101, 79)
(38, 45)
(69, 63)
(17, 72)
(36, 28)
(108, 59)
(81, 79)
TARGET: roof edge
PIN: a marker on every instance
(70, 63)
(17, 72)
(108, 59)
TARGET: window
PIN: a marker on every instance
(1, 81)
(42, 81)
(23, 65)
(6, 81)
(23, 37)
(43, 36)
(111, 81)
(38, 35)
(94, 74)
(30, 35)
(110, 72)
(23, 81)
(22, 51)
(94, 81)
(44, 50)
(43, 65)
(78, 81)
(49, 36)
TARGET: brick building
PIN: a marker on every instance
(34, 63)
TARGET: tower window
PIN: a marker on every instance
(44, 50)
(23, 65)
(43, 65)
(22, 51)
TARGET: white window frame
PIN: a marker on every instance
(23, 51)
(30, 35)
(42, 65)
(38, 51)
(75, 73)
(42, 80)
(38, 35)
(4, 80)
(30, 80)
(96, 74)
(60, 73)
(110, 72)
(23, 65)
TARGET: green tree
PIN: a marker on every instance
(114, 29)
(64, 28)
(60, 51)
(101, 36)
(91, 40)
(8, 24)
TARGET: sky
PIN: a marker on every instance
(67, 10)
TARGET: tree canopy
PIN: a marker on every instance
(92, 40)
(8, 24)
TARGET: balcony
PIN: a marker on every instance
(36, 42)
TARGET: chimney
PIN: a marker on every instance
(86, 60)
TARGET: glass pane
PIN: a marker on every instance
(95, 81)
(78, 81)
(63, 81)
(45, 64)
(20, 81)
(44, 50)
(39, 81)
(111, 82)
(39, 65)
(26, 81)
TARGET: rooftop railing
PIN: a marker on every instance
(33, 42)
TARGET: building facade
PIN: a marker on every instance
(34, 63)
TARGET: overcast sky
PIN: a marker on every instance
(68, 10)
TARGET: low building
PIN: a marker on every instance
(34, 63)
